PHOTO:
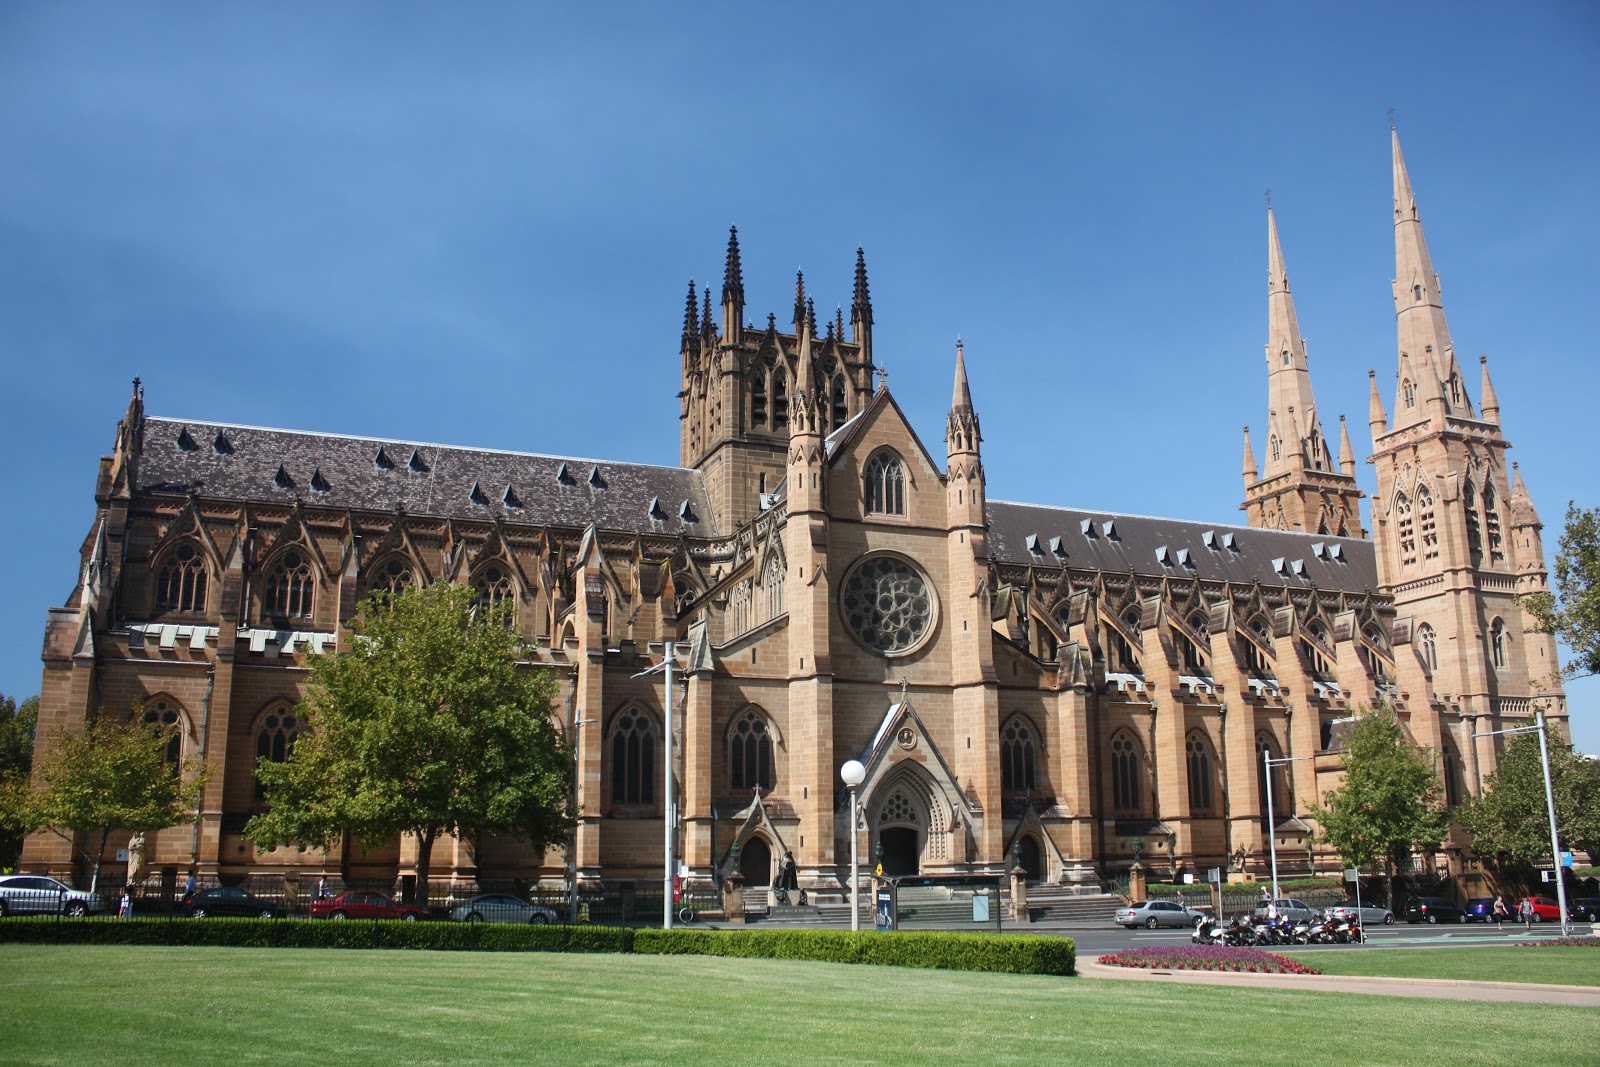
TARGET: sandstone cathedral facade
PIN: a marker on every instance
(1024, 683)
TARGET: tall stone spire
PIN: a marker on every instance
(799, 300)
(1299, 487)
(962, 437)
(1424, 336)
(1347, 455)
(1522, 511)
(732, 289)
(1288, 374)
(1376, 419)
(691, 315)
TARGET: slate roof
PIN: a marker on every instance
(1132, 542)
(253, 463)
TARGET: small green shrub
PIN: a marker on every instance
(1007, 953)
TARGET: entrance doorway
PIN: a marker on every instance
(1031, 859)
(755, 863)
(901, 850)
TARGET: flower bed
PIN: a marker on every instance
(1570, 942)
(1208, 958)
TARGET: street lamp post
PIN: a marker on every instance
(1267, 763)
(668, 660)
(853, 774)
(1550, 808)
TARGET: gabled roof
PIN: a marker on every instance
(1036, 535)
(425, 479)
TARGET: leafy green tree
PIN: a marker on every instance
(427, 726)
(1573, 613)
(113, 775)
(1389, 802)
(1510, 823)
(17, 725)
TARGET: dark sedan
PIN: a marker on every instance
(1434, 910)
(1585, 909)
(227, 900)
(1481, 910)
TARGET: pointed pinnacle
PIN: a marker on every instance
(811, 317)
(707, 325)
(732, 275)
(961, 395)
(1347, 455)
(1488, 402)
(1249, 468)
(691, 312)
(799, 299)
(861, 302)
(1405, 202)
(1277, 273)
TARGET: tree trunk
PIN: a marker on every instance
(99, 854)
(424, 862)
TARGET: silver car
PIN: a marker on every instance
(34, 894)
(501, 908)
(1370, 913)
(1154, 913)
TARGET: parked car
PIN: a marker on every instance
(1288, 908)
(359, 905)
(1481, 910)
(1154, 913)
(228, 900)
(502, 908)
(1369, 913)
(1585, 909)
(1434, 910)
(34, 894)
(1544, 909)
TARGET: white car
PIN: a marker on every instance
(1154, 913)
(34, 894)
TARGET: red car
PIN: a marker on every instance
(1544, 909)
(359, 905)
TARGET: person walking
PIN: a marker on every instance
(1501, 913)
(125, 905)
(1525, 910)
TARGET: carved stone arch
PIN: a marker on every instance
(1022, 747)
(396, 540)
(632, 758)
(289, 583)
(494, 547)
(187, 524)
(294, 533)
(1030, 827)
(752, 742)
(907, 799)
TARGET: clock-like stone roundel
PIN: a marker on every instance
(888, 604)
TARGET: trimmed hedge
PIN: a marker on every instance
(307, 933)
(1005, 953)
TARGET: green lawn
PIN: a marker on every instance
(1559, 966)
(133, 1006)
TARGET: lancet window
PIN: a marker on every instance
(1491, 517)
(633, 758)
(1127, 774)
(162, 714)
(181, 580)
(1405, 529)
(1018, 757)
(275, 738)
(750, 761)
(392, 575)
(772, 586)
(494, 591)
(1429, 645)
(289, 587)
(884, 484)
(1469, 498)
(1429, 524)
(1202, 788)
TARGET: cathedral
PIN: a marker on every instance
(1026, 685)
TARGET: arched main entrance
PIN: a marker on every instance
(1031, 857)
(755, 862)
(901, 850)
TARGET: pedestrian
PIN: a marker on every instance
(322, 887)
(1501, 913)
(188, 888)
(1526, 911)
(1182, 903)
(125, 905)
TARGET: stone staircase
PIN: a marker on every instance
(1070, 909)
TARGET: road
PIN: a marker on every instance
(1098, 941)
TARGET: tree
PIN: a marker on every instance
(427, 726)
(113, 775)
(1510, 823)
(1573, 614)
(1389, 803)
(17, 725)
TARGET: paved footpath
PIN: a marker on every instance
(1436, 988)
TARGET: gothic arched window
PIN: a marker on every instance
(750, 752)
(1429, 646)
(1194, 659)
(1017, 757)
(1202, 792)
(391, 576)
(1275, 447)
(1491, 521)
(1405, 530)
(883, 485)
(772, 586)
(181, 580)
(1497, 643)
(1469, 499)
(739, 608)
(1450, 769)
(494, 590)
(633, 758)
(289, 587)
(841, 412)
(275, 737)
(758, 402)
(1410, 393)
(1127, 775)
(1427, 522)
(780, 399)
(162, 714)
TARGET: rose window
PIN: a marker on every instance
(887, 604)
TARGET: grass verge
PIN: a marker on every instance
(1544, 964)
(139, 1005)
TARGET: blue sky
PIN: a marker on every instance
(474, 224)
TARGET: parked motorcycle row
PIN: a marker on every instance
(1243, 930)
